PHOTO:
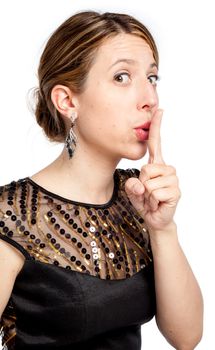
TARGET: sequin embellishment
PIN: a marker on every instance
(109, 242)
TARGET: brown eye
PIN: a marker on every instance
(122, 78)
(154, 78)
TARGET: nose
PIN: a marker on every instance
(148, 97)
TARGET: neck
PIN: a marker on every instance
(86, 177)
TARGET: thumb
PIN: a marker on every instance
(134, 187)
(135, 192)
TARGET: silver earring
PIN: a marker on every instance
(71, 139)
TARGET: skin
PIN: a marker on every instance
(107, 113)
(155, 196)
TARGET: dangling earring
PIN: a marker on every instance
(71, 139)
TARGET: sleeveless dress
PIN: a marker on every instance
(87, 281)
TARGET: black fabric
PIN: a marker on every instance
(77, 311)
(87, 281)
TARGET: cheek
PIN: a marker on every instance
(94, 102)
(96, 116)
(104, 110)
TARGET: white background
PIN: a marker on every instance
(184, 32)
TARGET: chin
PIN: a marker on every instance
(136, 153)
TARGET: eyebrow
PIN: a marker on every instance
(132, 62)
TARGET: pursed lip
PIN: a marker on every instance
(145, 126)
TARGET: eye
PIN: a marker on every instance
(154, 78)
(122, 77)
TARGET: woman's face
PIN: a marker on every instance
(120, 95)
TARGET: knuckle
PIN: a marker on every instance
(148, 186)
(144, 172)
(179, 193)
(175, 179)
(144, 168)
(171, 169)
(153, 196)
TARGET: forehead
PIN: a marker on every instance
(124, 46)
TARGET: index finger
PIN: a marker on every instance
(154, 140)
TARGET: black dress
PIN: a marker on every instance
(87, 281)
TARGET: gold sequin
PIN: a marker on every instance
(59, 232)
(109, 242)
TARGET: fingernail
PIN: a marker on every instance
(137, 188)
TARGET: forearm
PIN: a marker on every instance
(179, 300)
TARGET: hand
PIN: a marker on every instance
(156, 193)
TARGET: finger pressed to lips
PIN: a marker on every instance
(154, 139)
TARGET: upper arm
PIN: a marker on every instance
(11, 262)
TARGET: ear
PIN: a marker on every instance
(64, 100)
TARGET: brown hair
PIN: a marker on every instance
(68, 56)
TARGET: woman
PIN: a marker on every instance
(90, 252)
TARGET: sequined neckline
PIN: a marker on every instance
(91, 205)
